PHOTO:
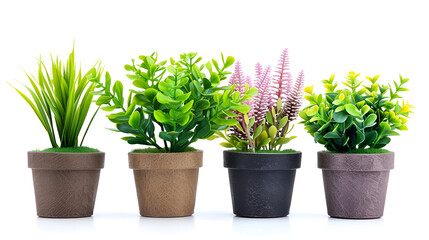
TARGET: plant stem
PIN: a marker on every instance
(246, 130)
(165, 142)
(87, 128)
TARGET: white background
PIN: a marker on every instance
(324, 38)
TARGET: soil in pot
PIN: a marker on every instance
(261, 183)
(355, 184)
(65, 184)
(166, 183)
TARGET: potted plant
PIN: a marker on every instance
(355, 124)
(261, 174)
(66, 175)
(172, 107)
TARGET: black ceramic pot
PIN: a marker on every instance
(261, 183)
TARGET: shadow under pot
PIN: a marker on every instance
(261, 183)
(166, 183)
(65, 184)
(355, 184)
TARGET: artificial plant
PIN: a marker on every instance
(276, 104)
(61, 99)
(357, 116)
(183, 100)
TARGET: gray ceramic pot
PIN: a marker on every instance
(355, 184)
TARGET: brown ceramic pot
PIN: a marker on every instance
(65, 184)
(355, 184)
(166, 183)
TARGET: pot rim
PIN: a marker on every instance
(255, 153)
(165, 161)
(355, 162)
(262, 161)
(65, 161)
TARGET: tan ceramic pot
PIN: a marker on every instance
(65, 184)
(166, 183)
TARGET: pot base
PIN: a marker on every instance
(355, 195)
(355, 184)
(65, 193)
(166, 193)
(261, 194)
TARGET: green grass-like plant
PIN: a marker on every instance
(176, 104)
(61, 99)
(356, 117)
(71, 150)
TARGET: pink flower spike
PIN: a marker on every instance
(282, 79)
(294, 99)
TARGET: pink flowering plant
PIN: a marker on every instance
(277, 103)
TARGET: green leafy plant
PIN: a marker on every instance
(184, 102)
(61, 99)
(358, 116)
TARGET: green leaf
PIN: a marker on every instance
(272, 131)
(370, 138)
(332, 135)
(108, 108)
(252, 92)
(370, 120)
(126, 128)
(283, 122)
(138, 140)
(202, 104)
(214, 78)
(352, 110)
(226, 144)
(312, 111)
(269, 118)
(257, 131)
(103, 100)
(229, 61)
(186, 107)
(134, 120)
(264, 142)
(283, 140)
(150, 93)
(384, 127)
(246, 119)
(242, 108)
(202, 130)
(340, 117)
(118, 117)
(172, 69)
(164, 99)
(360, 137)
(160, 116)
(165, 136)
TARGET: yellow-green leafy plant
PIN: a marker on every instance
(357, 116)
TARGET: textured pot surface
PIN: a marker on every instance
(261, 183)
(355, 184)
(65, 184)
(166, 183)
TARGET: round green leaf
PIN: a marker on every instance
(352, 110)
